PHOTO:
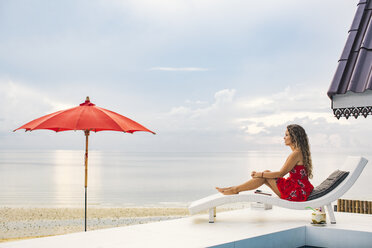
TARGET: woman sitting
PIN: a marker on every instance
(298, 164)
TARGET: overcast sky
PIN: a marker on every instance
(205, 75)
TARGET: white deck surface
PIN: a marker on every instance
(237, 225)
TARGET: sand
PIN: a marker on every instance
(21, 223)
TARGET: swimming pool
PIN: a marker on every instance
(310, 236)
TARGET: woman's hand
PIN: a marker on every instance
(255, 174)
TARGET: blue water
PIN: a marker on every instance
(56, 178)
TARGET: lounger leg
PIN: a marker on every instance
(331, 214)
(212, 214)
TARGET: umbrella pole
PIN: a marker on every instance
(86, 175)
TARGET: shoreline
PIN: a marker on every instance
(17, 223)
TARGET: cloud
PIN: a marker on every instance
(197, 102)
(254, 128)
(289, 104)
(227, 122)
(259, 122)
(224, 96)
(22, 103)
(178, 69)
(222, 99)
(260, 112)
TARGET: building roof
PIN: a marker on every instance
(351, 87)
(354, 67)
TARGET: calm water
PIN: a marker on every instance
(56, 178)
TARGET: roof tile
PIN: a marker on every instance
(369, 5)
(367, 40)
(354, 69)
(360, 75)
(349, 44)
(338, 76)
(358, 17)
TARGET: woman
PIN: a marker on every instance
(297, 186)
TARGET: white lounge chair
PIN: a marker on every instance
(354, 165)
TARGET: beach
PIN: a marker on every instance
(20, 223)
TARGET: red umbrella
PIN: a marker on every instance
(87, 117)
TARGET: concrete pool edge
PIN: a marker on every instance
(306, 235)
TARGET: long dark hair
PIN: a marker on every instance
(300, 140)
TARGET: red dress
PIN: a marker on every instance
(297, 186)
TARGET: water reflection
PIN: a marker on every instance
(96, 166)
(69, 176)
(115, 178)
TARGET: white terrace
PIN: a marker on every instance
(278, 227)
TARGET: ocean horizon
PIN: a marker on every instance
(55, 178)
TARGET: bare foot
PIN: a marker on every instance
(228, 191)
(221, 190)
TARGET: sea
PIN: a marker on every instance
(55, 178)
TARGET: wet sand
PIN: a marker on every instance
(21, 223)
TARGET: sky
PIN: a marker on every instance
(205, 75)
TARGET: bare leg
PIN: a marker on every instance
(271, 183)
(254, 183)
(268, 185)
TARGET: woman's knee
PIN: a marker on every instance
(267, 180)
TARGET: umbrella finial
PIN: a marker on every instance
(87, 102)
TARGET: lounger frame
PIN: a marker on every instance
(354, 165)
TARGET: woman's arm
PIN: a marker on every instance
(291, 161)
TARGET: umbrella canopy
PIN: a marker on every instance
(351, 87)
(87, 117)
